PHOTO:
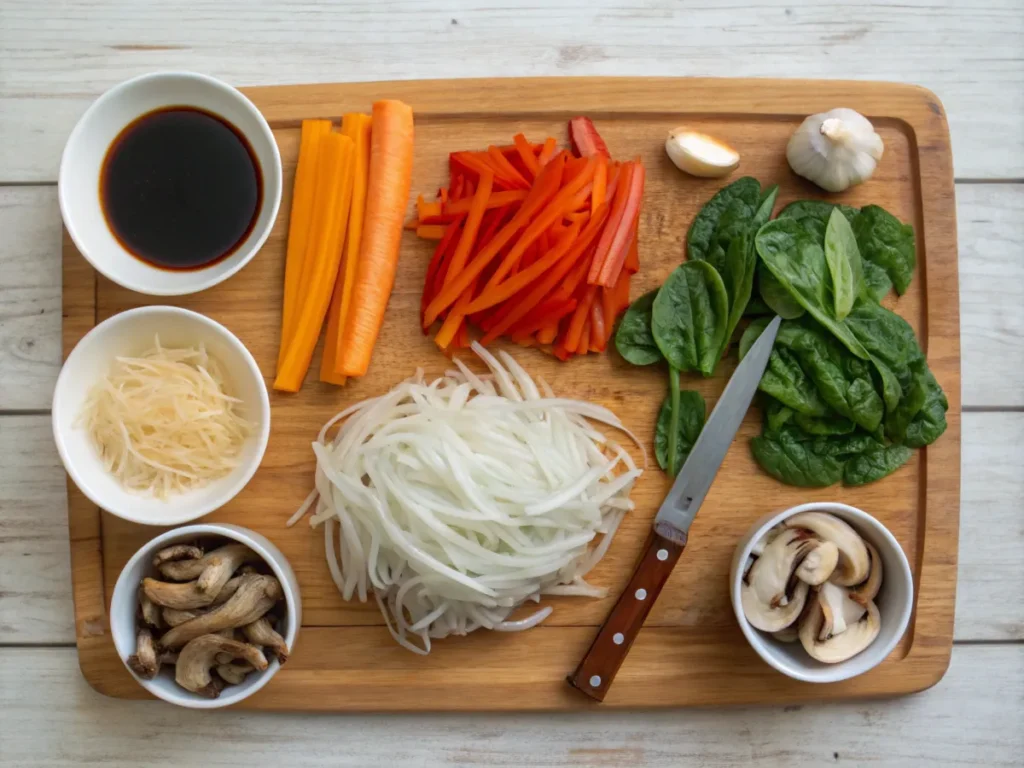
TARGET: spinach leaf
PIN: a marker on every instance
(785, 380)
(797, 259)
(775, 295)
(689, 423)
(843, 261)
(824, 425)
(725, 216)
(633, 338)
(764, 207)
(757, 307)
(814, 214)
(794, 461)
(690, 316)
(876, 463)
(751, 334)
(738, 277)
(930, 421)
(876, 282)
(886, 241)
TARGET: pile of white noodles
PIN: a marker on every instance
(162, 422)
(460, 499)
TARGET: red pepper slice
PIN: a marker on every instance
(585, 140)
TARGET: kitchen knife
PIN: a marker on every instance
(599, 666)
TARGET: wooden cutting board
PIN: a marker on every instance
(691, 651)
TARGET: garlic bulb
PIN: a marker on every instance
(835, 149)
(699, 154)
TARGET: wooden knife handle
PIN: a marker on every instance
(596, 672)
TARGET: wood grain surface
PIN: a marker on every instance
(689, 636)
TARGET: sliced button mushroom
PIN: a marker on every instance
(199, 656)
(819, 563)
(187, 597)
(149, 611)
(838, 610)
(260, 632)
(771, 598)
(256, 595)
(868, 590)
(213, 569)
(146, 662)
(765, 540)
(790, 634)
(234, 673)
(854, 562)
(173, 617)
(177, 552)
(839, 647)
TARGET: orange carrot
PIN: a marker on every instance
(574, 334)
(547, 152)
(333, 194)
(619, 248)
(496, 200)
(472, 228)
(303, 193)
(600, 183)
(431, 231)
(356, 126)
(391, 152)
(525, 150)
(614, 221)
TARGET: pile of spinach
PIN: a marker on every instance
(847, 393)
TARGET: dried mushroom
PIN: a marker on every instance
(198, 657)
(213, 607)
(814, 579)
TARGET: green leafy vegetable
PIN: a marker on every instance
(726, 215)
(775, 295)
(874, 464)
(690, 316)
(757, 306)
(784, 455)
(689, 421)
(876, 283)
(765, 207)
(886, 241)
(738, 278)
(814, 214)
(634, 339)
(843, 261)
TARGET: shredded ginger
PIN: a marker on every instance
(460, 499)
(163, 423)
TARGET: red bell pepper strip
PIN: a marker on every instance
(614, 222)
(619, 247)
(505, 170)
(585, 140)
(437, 264)
(632, 263)
(547, 313)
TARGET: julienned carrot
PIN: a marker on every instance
(500, 162)
(619, 248)
(561, 204)
(499, 293)
(332, 195)
(600, 183)
(496, 200)
(391, 152)
(597, 324)
(525, 150)
(356, 126)
(548, 152)
(614, 222)
(541, 192)
(303, 193)
(469, 232)
(609, 310)
(430, 231)
(574, 333)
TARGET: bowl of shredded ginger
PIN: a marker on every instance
(160, 415)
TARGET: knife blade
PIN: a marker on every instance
(597, 670)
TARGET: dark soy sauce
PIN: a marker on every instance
(180, 188)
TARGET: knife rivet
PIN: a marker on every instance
(618, 638)
(595, 681)
(663, 554)
(641, 594)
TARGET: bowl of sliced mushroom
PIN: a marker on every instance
(823, 592)
(203, 616)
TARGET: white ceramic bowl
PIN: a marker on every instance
(133, 332)
(895, 600)
(80, 166)
(123, 605)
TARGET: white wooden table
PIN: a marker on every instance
(55, 57)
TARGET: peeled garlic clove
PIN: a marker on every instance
(835, 149)
(700, 155)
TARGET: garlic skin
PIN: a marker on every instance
(835, 149)
(700, 155)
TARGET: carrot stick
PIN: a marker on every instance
(525, 150)
(599, 194)
(496, 294)
(598, 314)
(619, 248)
(547, 152)
(391, 151)
(547, 334)
(555, 211)
(496, 200)
(469, 232)
(428, 210)
(333, 195)
(303, 193)
(456, 318)
(609, 309)
(356, 126)
(579, 320)
(614, 222)
(430, 231)
(504, 167)
(543, 190)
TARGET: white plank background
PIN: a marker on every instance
(57, 56)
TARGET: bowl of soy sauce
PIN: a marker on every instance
(170, 183)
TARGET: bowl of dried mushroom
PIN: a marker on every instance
(204, 615)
